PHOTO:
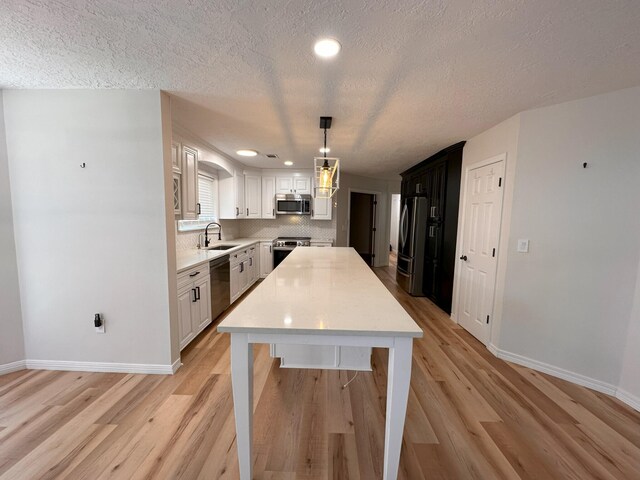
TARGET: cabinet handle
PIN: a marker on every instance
(251, 262)
(194, 274)
(247, 212)
(431, 230)
(197, 293)
(199, 208)
(312, 212)
(237, 211)
(241, 267)
(274, 212)
(270, 249)
(195, 299)
(433, 212)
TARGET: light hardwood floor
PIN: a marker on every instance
(470, 415)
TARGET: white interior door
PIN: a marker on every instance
(479, 252)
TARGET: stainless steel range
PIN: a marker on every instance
(283, 246)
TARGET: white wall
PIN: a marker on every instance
(630, 377)
(365, 184)
(394, 221)
(568, 301)
(571, 306)
(11, 336)
(501, 139)
(90, 239)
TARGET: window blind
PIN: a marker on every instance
(207, 197)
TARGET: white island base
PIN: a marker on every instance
(326, 357)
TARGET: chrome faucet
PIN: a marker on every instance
(206, 233)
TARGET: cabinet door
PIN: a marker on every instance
(266, 259)
(235, 282)
(254, 260)
(244, 276)
(186, 297)
(189, 183)
(321, 209)
(268, 197)
(202, 308)
(240, 206)
(302, 185)
(177, 194)
(176, 164)
(252, 195)
(284, 184)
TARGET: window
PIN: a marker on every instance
(207, 197)
(208, 200)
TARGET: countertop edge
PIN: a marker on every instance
(316, 332)
(213, 254)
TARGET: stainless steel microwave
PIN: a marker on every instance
(293, 204)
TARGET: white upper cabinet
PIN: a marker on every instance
(321, 209)
(301, 185)
(240, 200)
(284, 184)
(253, 196)
(268, 197)
(176, 163)
(231, 197)
(190, 205)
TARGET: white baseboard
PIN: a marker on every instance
(493, 349)
(176, 365)
(572, 377)
(12, 367)
(102, 367)
(628, 398)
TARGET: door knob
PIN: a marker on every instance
(463, 257)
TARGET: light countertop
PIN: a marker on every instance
(318, 290)
(194, 257)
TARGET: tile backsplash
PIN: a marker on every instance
(282, 226)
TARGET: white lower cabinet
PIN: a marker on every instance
(266, 259)
(194, 303)
(244, 270)
(323, 357)
(321, 243)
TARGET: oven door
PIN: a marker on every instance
(279, 254)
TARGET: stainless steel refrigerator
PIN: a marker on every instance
(411, 244)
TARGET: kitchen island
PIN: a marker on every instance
(321, 297)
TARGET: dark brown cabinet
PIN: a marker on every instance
(438, 179)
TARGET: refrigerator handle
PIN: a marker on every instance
(403, 226)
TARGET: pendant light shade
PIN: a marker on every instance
(326, 178)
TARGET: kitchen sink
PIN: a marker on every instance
(221, 247)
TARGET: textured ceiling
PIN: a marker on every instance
(413, 76)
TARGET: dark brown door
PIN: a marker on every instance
(362, 225)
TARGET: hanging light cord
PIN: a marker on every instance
(325, 143)
(354, 377)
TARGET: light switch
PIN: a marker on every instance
(523, 245)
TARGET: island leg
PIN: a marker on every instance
(242, 384)
(397, 396)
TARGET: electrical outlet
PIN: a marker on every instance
(523, 245)
(98, 323)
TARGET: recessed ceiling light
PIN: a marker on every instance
(288, 163)
(325, 149)
(247, 153)
(327, 47)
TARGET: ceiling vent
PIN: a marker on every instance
(272, 155)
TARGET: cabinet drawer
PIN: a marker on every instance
(193, 274)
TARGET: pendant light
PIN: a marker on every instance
(326, 179)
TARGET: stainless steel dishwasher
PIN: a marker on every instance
(220, 285)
